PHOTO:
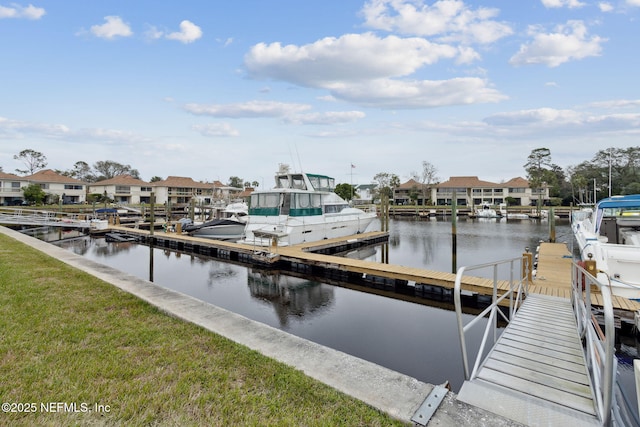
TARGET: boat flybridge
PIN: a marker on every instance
(302, 207)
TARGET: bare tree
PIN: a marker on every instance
(33, 160)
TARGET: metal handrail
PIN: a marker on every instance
(516, 293)
(599, 346)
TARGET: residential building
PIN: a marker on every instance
(11, 187)
(471, 191)
(59, 187)
(226, 193)
(364, 194)
(123, 189)
(179, 190)
(412, 192)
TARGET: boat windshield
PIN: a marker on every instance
(321, 182)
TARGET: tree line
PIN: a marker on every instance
(611, 171)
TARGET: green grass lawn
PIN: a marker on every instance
(68, 338)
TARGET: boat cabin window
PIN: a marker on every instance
(283, 182)
(265, 200)
(335, 208)
(307, 200)
(321, 182)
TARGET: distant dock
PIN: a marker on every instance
(316, 259)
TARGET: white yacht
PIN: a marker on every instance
(302, 207)
(609, 234)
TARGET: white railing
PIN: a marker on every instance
(599, 346)
(518, 286)
(38, 217)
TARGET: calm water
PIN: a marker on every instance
(413, 338)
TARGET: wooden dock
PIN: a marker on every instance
(553, 276)
(536, 373)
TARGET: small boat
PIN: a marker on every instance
(504, 213)
(609, 234)
(486, 212)
(302, 207)
(229, 227)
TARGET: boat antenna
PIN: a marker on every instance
(299, 162)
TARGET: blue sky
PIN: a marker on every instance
(212, 89)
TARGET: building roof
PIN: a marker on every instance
(245, 193)
(122, 180)
(518, 182)
(11, 176)
(412, 183)
(48, 175)
(181, 182)
(467, 182)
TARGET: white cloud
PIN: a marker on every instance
(189, 32)
(114, 27)
(449, 19)
(571, 4)
(633, 2)
(536, 116)
(569, 42)
(605, 7)
(351, 57)
(401, 94)
(17, 11)
(247, 109)
(16, 128)
(328, 118)
(216, 130)
(618, 103)
(153, 33)
(372, 71)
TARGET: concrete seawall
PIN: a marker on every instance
(394, 393)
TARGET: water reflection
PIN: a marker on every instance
(289, 296)
(403, 333)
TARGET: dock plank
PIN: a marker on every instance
(538, 362)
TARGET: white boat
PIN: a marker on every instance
(609, 234)
(504, 213)
(301, 208)
(230, 227)
(486, 212)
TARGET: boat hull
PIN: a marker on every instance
(261, 230)
(618, 264)
(219, 230)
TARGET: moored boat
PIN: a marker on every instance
(609, 234)
(230, 227)
(486, 212)
(302, 207)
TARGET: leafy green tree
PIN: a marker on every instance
(33, 193)
(155, 179)
(540, 170)
(107, 169)
(33, 160)
(346, 191)
(82, 171)
(386, 182)
(236, 182)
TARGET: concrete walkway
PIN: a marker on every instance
(394, 393)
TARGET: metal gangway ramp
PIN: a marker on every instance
(551, 365)
(537, 369)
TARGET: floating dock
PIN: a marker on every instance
(553, 276)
